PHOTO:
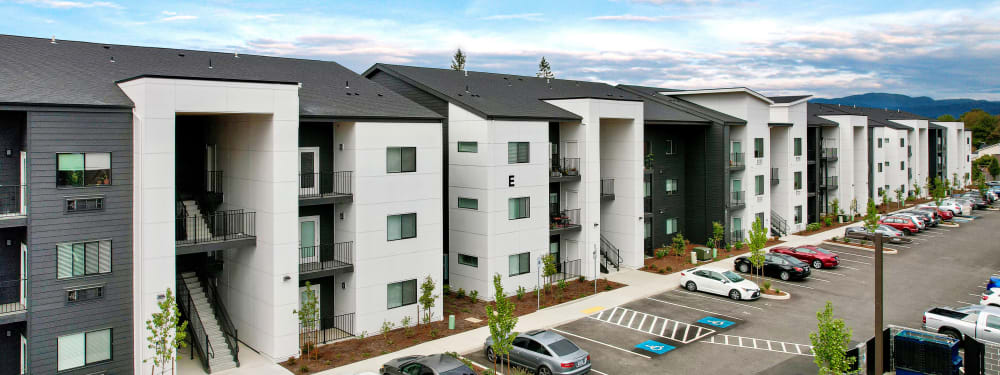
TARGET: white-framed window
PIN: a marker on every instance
(84, 348)
(518, 208)
(671, 186)
(797, 146)
(401, 293)
(402, 226)
(400, 159)
(468, 260)
(470, 203)
(798, 214)
(468, 147)
(758, 184)
(75, 259)
(758, 147)
(669, 150)
(518, 152)
(519, 264)
(670, 225)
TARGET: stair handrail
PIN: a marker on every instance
(779, 223)
(195, 326)
(228, 328)
(611, 253)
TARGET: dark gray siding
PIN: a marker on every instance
(49, 315)
(411, 92)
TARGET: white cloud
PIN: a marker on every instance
(631, 17)
(66, 4)
(521, 16)
(173, 17)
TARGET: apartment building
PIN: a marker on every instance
(535, 167)
(952, 150)
(789, 162)
(229, 179)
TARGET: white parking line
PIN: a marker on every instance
(789, 284)
(752, 343)
(598, 342)
(855, 255)
(684, 338)
(848, 267)
(964, 303)
(818, 279)
(855, 261)
(716, 299)
(692, 308)
(602, 373)
(826, 272)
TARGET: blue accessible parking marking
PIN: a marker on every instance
(655, 347)
(715, 322)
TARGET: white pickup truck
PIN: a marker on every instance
(978, 321)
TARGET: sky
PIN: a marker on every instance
(828, 48)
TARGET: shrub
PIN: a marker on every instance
(827, 221)
(434, 332)
(669, 269)
(291, 360)
(679, 244)
(652, 266)
(304, 369)
(461, 293)
(663, 272)
(812, 227)
(446, 289)
(520, 292)
(581, 279)
(660, 253)
(608, 287)
(386, 327)
(474, 295)
(767, 285)
(366, 355)
(776, 290)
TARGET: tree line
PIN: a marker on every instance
(984, 126)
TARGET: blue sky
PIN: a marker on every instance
(826, 48)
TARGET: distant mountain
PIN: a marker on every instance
(921, 105)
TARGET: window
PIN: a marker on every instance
(880, 143)
(670, 147)
(647, 186)
(468, 260)
(518, 208)
(517, 152)
(758, 147)
(798, 214)
(993, 321)
(81, 349)
(84, 294)
(468, 147)
(902, 167)
(759, 184)
(83, 258)
(671, 185)
(519, 264)
(472, 204)
(400, 227)
(797, 147)
(84, 204)
(901, 142)
(647, 228)
(759, 217)
(400, 159)
(886, 163)
(401, 294)
(879, 167)
(671, 225)
(83, 169)
(798, 180)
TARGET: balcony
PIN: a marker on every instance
(13, 205)
(737, 200)
(325, 260)
(13, 304)
(736, 236)
(198, 233)
(775, 177)
(564, 170)
(607, 189)
(647, 205)
(565, 221)
(831, 182)
(325, 188)
(830, 154)
(736, 161)
(326, 329)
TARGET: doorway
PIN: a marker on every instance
(308, 170)
(309, 239)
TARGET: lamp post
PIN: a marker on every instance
(538, 285)
(595, 268)
(879, 342)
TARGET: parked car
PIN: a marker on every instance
(906, 224)
(943, 214)
(991, 297)
(544, 353)
(974, 198)
(919, 220)
(967, 204)
(953, 208)
(434, 364)
(978, 321)
(782, 266)
(815, 256)
(892, 234)
(719, 281)
(927, 217)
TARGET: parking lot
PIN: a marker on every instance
(680, 332)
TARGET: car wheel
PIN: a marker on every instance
(744, 268)
(785, 276)
(543, 371)
(817, 264)
(691, 286)
(490, 355)
(951, 333)
(735, 294)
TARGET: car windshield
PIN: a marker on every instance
(460, 370)
(563, 347)
(732, 276)
(823, 251)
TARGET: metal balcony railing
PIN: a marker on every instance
(831, 182)
(775, 177)
(565, 167)
(226, 225)
(326, 329)
(647, 204)
(213, 182)
(737, 199)
(12, 296)
(326, 256)
(830, 153)
(736, 160)
(607, 188)
(13, 200)
(325, 184)
(565, 219)
(736, 236)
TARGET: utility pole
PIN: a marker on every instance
(879, 344)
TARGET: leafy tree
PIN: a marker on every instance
(830, 343)
(166, 334)
(757, 238)
(899, 196)
(678, 244)
(871, 217)
(835, 206)
(954, 181)
(976, 172)
(458, 61)
(947, 118)
(548, 270)
(938, 191)
(916, 190)
(994, 166)
(884, 195)
(501, 320)
(929, 184)
(308, 313)
(983, 126)
(427, 298)
(966, 179)
(718, 234)
(544, 69)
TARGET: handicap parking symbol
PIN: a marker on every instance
(715, 322)
(655, 347)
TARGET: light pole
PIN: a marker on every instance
(879, 344)
(595, 268)
(538, 285)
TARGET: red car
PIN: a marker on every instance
(815, 256)
(902, 223)
(943, 214)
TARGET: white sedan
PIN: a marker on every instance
(991, 297)
(719, 281)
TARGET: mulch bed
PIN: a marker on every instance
(824, 228)
(672, 263)
(882, 209)
(375, 344)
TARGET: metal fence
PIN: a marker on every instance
(566, 219)
(567, 271)
(11, 292)
(325, 184)
(829, 152)
(607, 187)
(736, 159)
(326, 329)
(566, 167)
(218, 226)
(326, 256)
(736, 199)
(13, 200)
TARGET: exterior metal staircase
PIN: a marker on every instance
(210, 331)
(610, 256)
(779, 227)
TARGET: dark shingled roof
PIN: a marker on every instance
(787, 99)
(877, 117)
(493, 95)
(35, 71)
(815, 110)
(664, 108)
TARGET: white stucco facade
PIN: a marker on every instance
(787, 201)
(958, 150)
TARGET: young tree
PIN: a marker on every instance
(501, 320)
(871, 217)
(544, 69)
(938, 191)
(308, 313)
(718, 234)
(854, 208)
(954, 181)
(548, 270)
(830, 343)
(884, 195)
(966, 178)
(899, 196)
(458, 61)
(916, 190)
(427, 298)
(756, 240)
(166, 334)
(930, 186)
(835, 206)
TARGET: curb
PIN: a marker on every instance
(885, 250)
(784, 297)
(949, 225)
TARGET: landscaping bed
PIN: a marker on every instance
(371, 344)
(671, 262)
(882, 210)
